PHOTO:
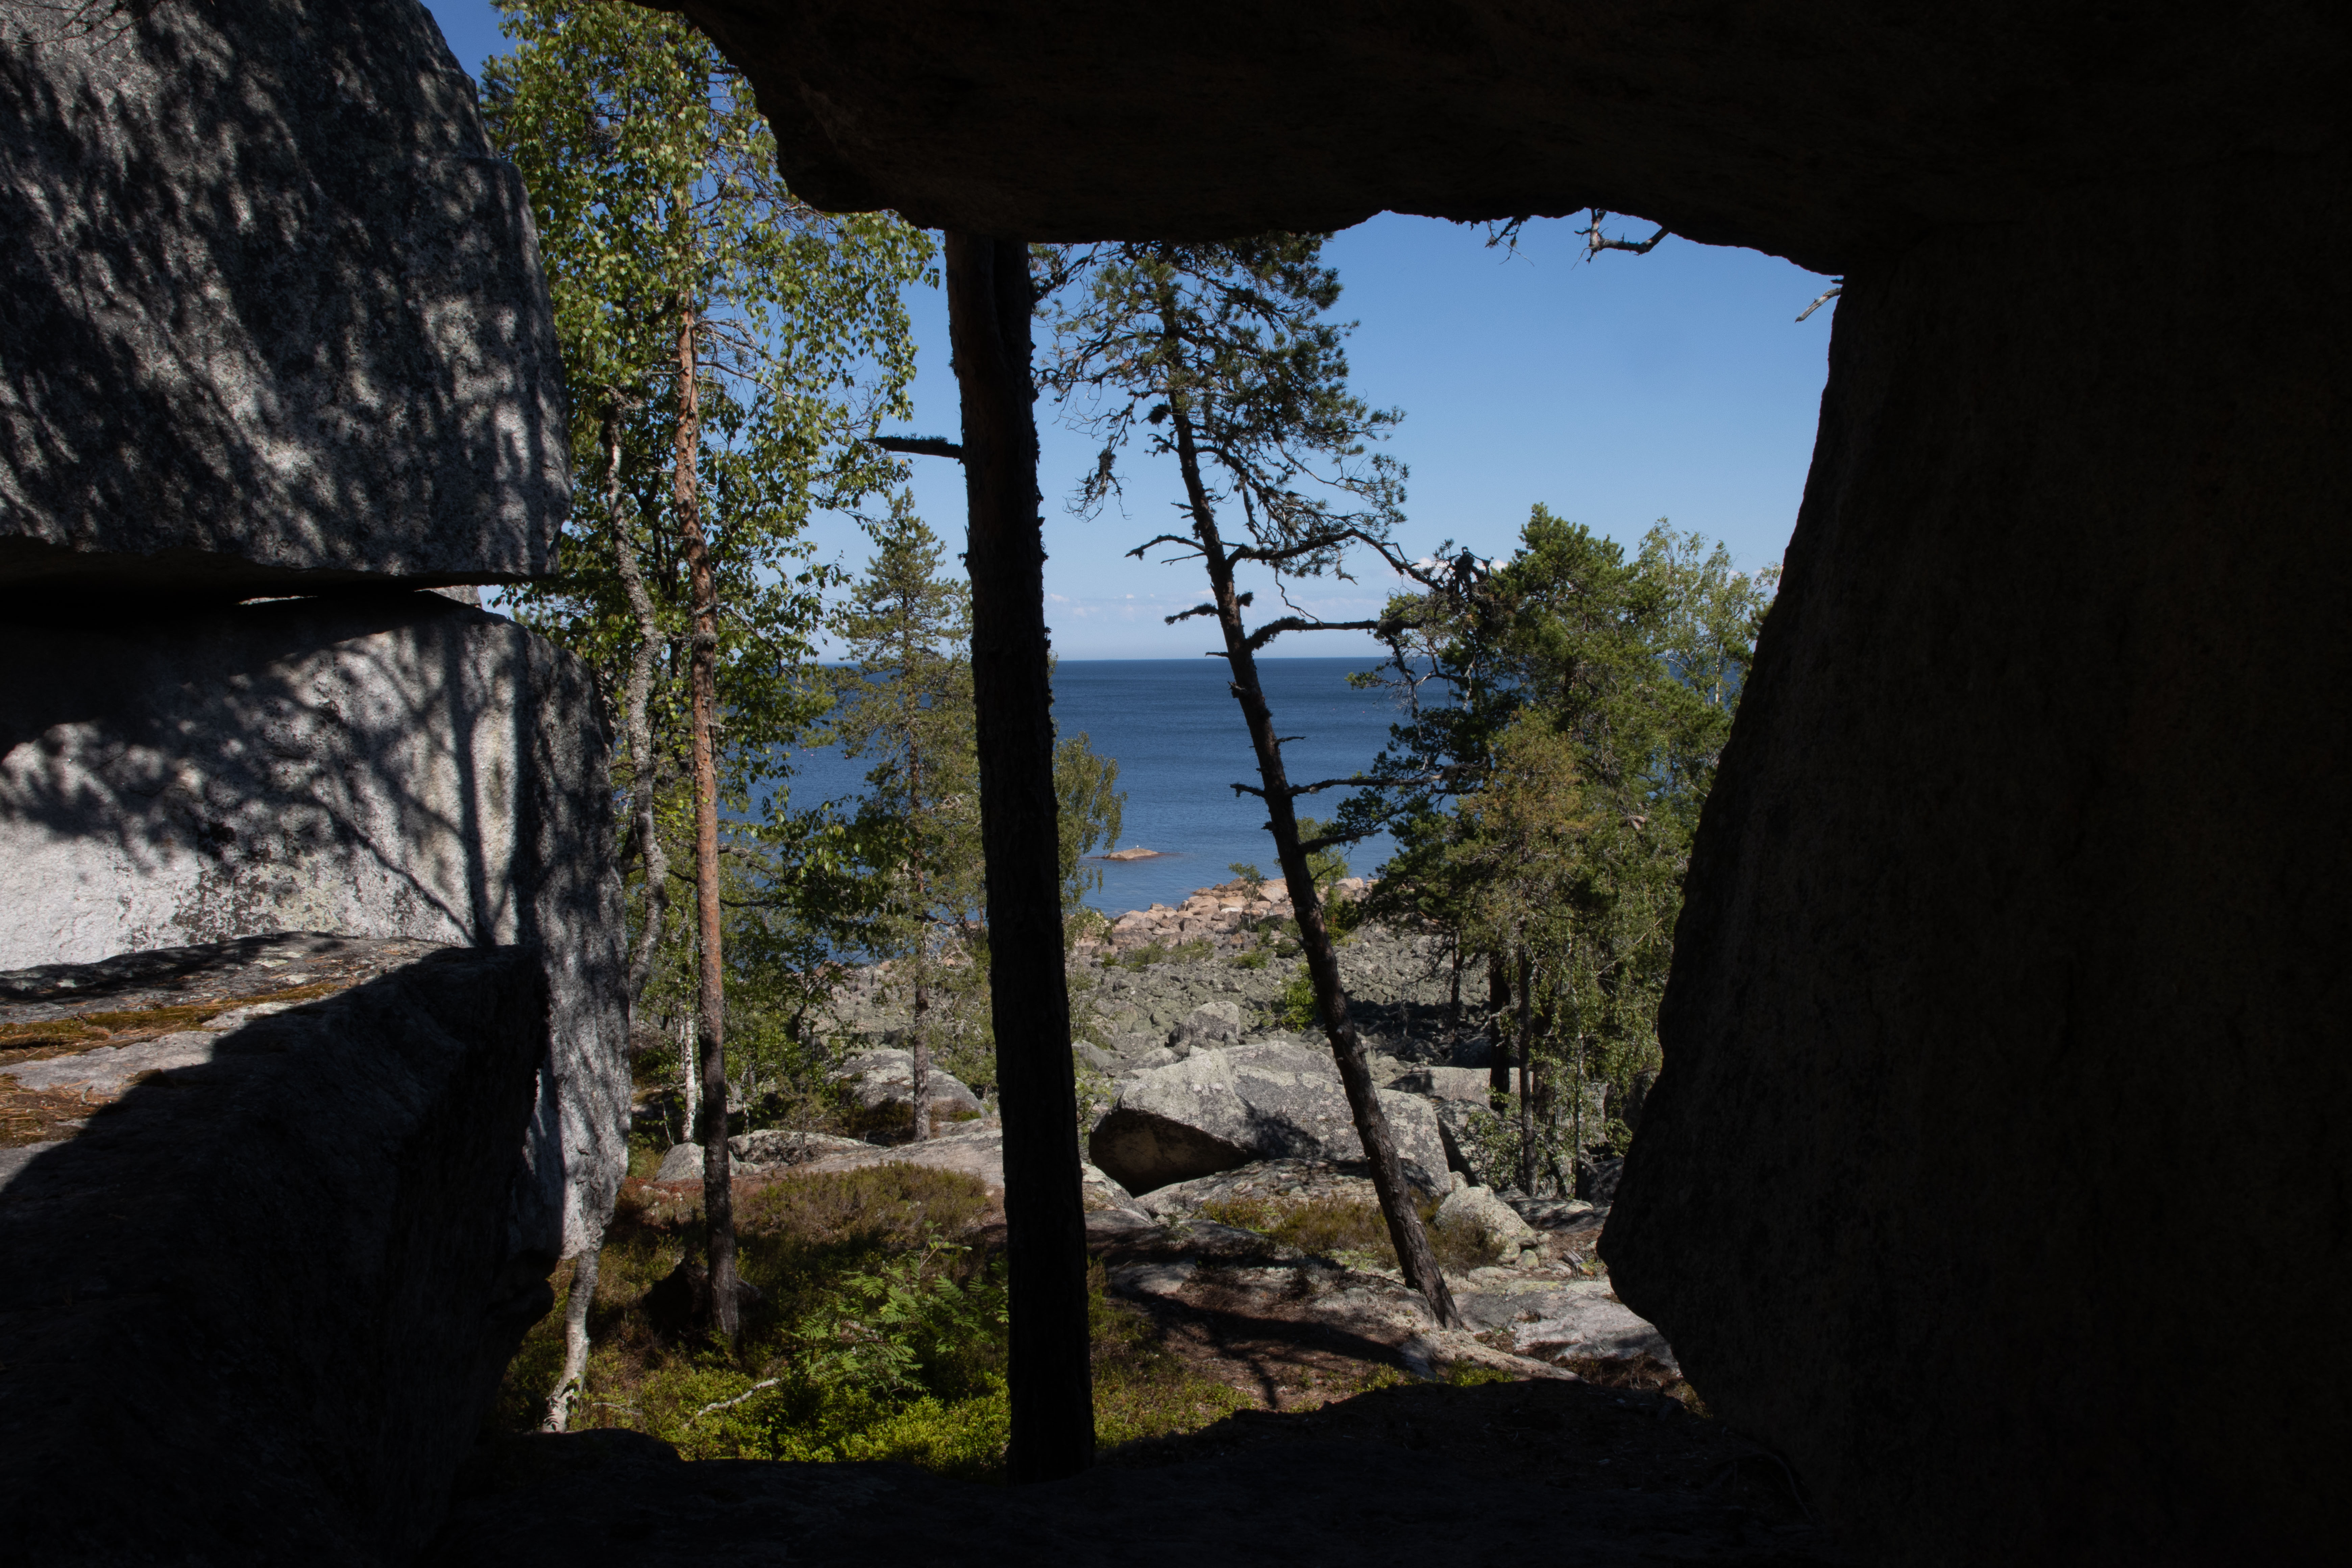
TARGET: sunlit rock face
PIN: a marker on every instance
(271, 317)
(390, 765)
(2009, 993)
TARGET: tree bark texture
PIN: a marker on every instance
(575, 1341)
(989, 307)
(644, 768)
(1526, 1033)
(919, 1051)
(717, 1184)
(1405, 1230)
(1499, 1002)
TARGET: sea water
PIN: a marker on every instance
(1177, 734)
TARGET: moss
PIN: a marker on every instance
(31, 1042)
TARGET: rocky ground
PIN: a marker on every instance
(1131, 986)
(1226, 1193)
(1555, 1421)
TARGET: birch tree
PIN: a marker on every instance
(725, 349)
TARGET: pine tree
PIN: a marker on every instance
(1545, 800)
(905, 702)
(1219, 357)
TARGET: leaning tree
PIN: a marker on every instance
(1221, 357)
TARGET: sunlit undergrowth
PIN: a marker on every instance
(880, 1333)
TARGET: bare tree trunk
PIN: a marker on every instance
(1405, 1231)
(644, 784)
(644, 768)
(1526, 1084)
(717, 1184)
(1050, 1376)
(568, 1387)
(691, 1070)
(918, 1041)
(1498, 1003)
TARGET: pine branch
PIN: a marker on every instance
(1275, 629)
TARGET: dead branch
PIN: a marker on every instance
(1595, 242)
(918, 446)
(1275, 629)
(1832, 292)
(723, 1404)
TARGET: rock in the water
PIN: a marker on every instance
(1267, 1099)
(1481, 1207)
(387, 765)
(276, 317)
(884, 1076)
(271, 1285)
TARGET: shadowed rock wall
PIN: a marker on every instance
(253, 1310)
(269, 311)
(391, 765)
(2005, 1082)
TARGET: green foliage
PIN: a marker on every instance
(1297, 1008)
(660, 218)
(1573, 702)
(1250, 877)
(878, 1335)
(1253, 959)
(905, 701)
(1092, 810)
(1470, 1375)
(1193, 952)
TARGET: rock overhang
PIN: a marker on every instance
(1824, 132)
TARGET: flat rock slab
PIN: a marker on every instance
(275, 316)
(266, 1285)
(74, 1037)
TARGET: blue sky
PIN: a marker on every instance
(1673, 384)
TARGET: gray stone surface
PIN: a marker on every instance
(1205, 1027)
(1267, 1099)
(1464, 1083)
(886, 1076)
(1481, 1207)
(1765, 126)
(390, 766)
(974, 1147)
(254, 1308)
(269, 311)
